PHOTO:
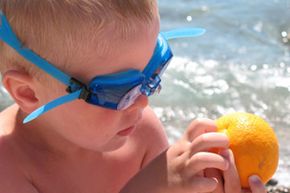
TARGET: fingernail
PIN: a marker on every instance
(254, 179)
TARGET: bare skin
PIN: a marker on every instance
(189, 167)
(88, 171)
(183, 168)
(77, 147)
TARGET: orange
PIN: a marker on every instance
(253, 143)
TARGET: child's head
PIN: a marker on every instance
(60, 30)
(84, 38)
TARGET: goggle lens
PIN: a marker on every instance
(129, 98)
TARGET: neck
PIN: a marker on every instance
(39, 138)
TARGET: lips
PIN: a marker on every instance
(132, 128)
(127, 131)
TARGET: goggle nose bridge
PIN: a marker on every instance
(151, 86)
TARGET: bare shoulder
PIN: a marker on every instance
(152, 135)
(12, 179)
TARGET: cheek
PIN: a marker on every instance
(88, 126)
(92, 117)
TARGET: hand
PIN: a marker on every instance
(190, 156)
(229, 181)
(180, 169)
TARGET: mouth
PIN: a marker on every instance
(132, 128)
(127, 131)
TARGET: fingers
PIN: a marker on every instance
(203, 184)
(199, 127)
(216, 174)
(231, 176)
(232, 180)
(197, 184)
(246, 191)
(202, 143)
(256, 184)
(209, 141)
(203, 160)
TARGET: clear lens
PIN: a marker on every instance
(129, 98)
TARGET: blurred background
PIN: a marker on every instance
(242, 63)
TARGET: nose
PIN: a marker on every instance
(140, 103)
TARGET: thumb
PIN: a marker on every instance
(256, 184)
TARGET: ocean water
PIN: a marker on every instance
(242, 63)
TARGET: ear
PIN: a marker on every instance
(21, 87)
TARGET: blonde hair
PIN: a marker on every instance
(54, 28)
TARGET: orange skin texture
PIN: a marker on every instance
(254, 145)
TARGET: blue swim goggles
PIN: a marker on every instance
(113, 91)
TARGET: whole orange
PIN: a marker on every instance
(254, 145)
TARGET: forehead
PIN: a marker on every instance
(122, 53)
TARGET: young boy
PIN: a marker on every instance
(100, 144)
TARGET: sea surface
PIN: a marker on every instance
(242, 63)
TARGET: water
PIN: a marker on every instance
(242, 63)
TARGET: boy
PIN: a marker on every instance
(95, 145)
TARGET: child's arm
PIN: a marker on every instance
(180, 168)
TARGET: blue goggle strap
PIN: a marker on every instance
(163, 46)
(8, 36)
(183, 33)
(162, 56)
(57, 102)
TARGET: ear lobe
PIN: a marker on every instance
(21, 88)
